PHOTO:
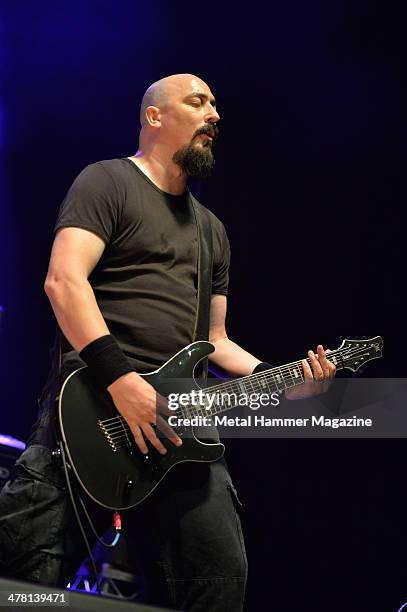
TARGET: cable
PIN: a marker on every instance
(116, 521)
(61, 448)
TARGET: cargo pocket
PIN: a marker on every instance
(237, 503)
(238, 508)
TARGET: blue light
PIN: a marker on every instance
(12, 442)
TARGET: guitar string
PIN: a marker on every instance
(257, 377)
(350, 352)
(286, 368)
(123, 430)
(261, 376)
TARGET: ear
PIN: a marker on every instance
(153, 116)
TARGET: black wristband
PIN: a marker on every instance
(106, 360)
(262, 367)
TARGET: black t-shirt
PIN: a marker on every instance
(145, 282)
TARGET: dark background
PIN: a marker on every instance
(307, 182)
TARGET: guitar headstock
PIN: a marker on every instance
(355, 353)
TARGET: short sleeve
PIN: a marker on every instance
(221, 259)
(92, 203)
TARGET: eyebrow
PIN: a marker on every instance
(198, 94)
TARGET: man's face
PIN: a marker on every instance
(188, 125)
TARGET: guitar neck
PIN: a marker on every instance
(225, 396)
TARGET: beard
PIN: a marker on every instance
(196, 159)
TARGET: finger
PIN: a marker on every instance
(332, 366)
(316, 367)
(162, 405)
(150, 435)
(332, 370)
(323, 361)
(168, 431)
(135, 430)
(307, 371)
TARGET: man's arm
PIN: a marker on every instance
(228, 355)
(74, 255)
(232, 358)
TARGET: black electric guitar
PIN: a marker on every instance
(101, 448)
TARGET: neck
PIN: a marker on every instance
(161, 170)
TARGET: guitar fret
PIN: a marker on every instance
(297, 375)
(289, 378)
(241, 386)
(265, 383)
(280, 378)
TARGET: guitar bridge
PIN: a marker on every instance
(107, 435)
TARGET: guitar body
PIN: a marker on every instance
(116, 474)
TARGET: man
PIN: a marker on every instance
(122, 284)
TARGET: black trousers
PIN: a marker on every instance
(186, 536)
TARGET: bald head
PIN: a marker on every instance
(162, 92)
(178, 124)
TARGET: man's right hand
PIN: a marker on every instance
(140, 405)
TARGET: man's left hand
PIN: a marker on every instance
(316, 380)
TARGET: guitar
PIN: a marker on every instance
(101, 448)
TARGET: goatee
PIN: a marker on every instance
(195, 159)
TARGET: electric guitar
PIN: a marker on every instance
(101, 448)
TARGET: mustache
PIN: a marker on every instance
(210, 129)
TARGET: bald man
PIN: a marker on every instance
(122, 284)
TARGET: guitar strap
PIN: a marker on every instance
(204, 276)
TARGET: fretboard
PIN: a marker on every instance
(227, 395)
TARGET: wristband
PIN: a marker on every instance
(261, 367)
(106, 360)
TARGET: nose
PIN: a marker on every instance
(211, 114)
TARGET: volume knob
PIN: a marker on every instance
(128, 487)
